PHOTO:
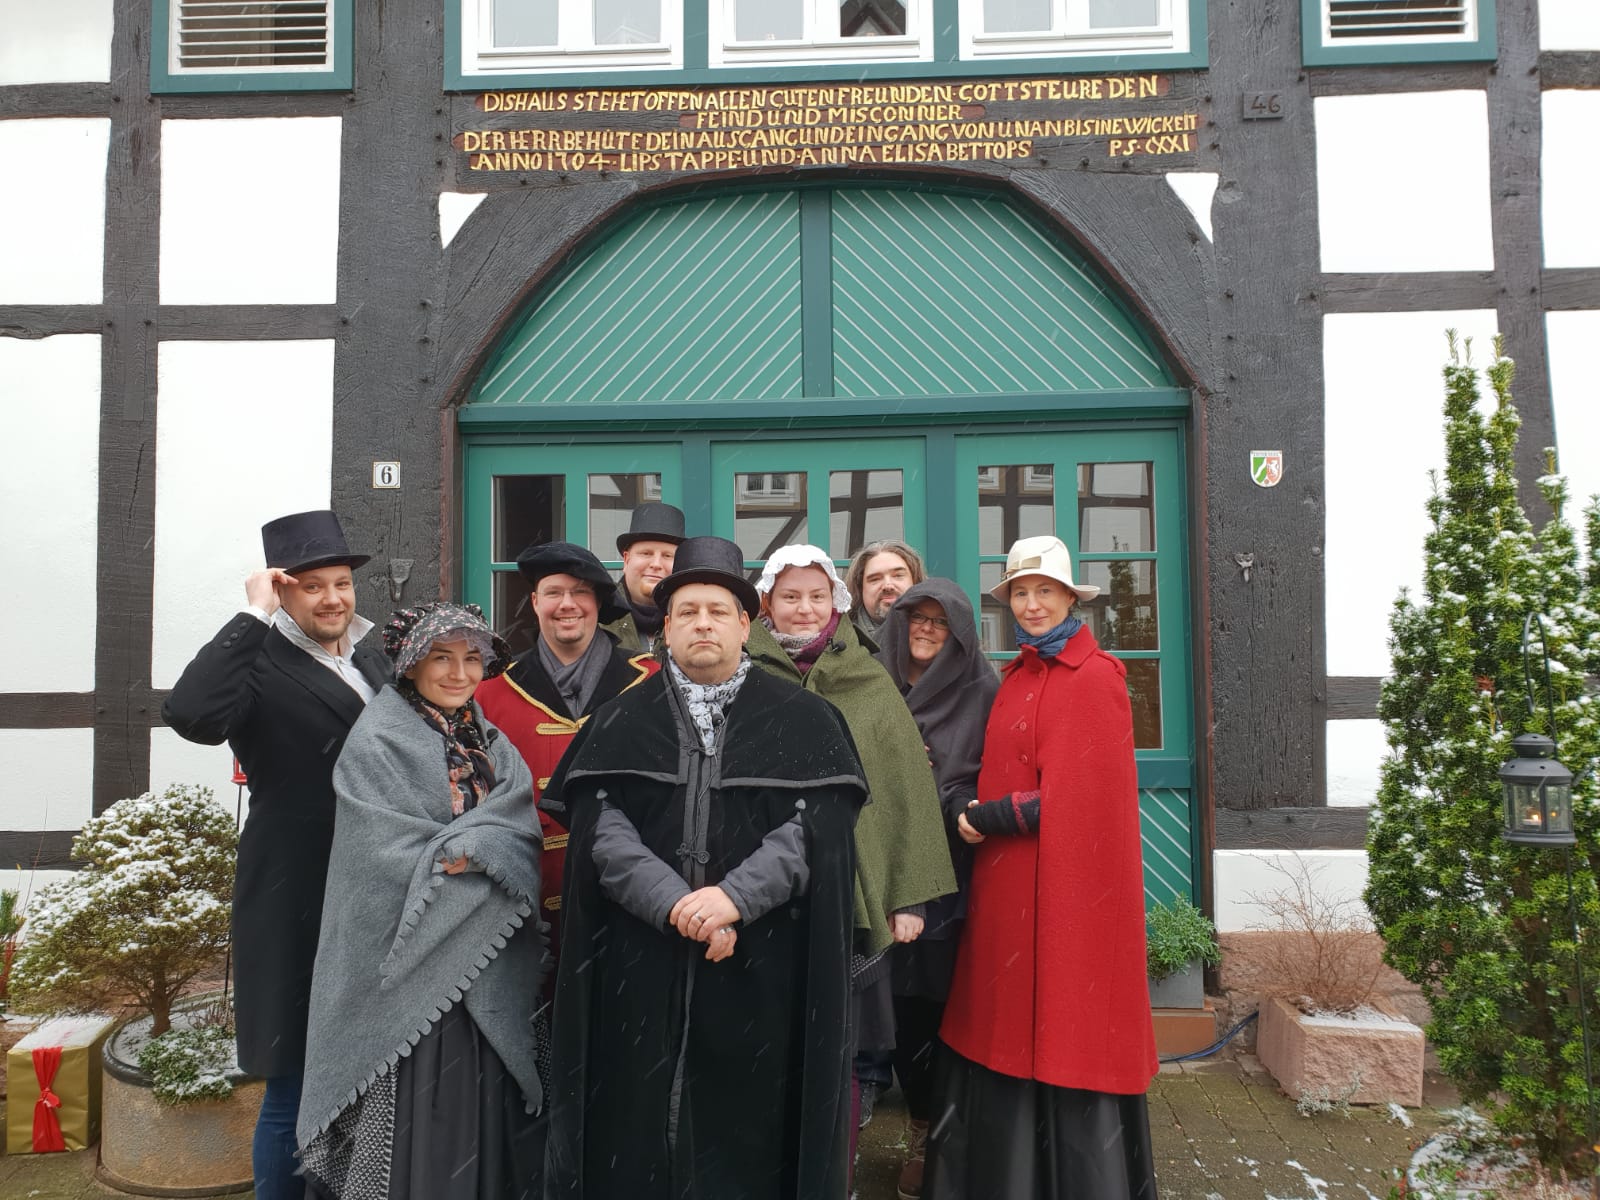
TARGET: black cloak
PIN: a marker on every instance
(675, 1077)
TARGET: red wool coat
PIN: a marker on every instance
(1050, 979)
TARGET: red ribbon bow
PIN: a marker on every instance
(46, 1125)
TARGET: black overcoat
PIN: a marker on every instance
(675, 1077)
(285, 716)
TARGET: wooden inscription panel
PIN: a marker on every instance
(676, 130)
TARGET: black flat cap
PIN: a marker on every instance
(569, 558)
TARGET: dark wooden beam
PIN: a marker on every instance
(1401, 77)
(1408, 291)
(1291, 829)
(56, 99)
(47, 320)
(1353, 697)
(1570, 68)
(1567, 288)
(46, 710)
(255, 104)
(249, 322)
(127, 505)
(47, 851)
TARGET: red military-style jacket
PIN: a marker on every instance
(523, 703)
(1050, 979)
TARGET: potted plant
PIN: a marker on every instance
(1180, 941)
(146, 916)
(1322, 1033)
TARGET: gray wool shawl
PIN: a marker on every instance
(401, 940)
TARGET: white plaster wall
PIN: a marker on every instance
(1196, 189)
(244, 434)
(55, 41)
(173, 760)
(1572, 338)
(49, 491)
(52, 232)
(1384, 428)
(454, 209)
(1356, 749)
(1245, 877)
(1570, 177)
(250, 211)
(49, 778)
(1569, 25)
(1403, 182)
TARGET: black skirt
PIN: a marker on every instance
(995, 1137)
(460, 1126)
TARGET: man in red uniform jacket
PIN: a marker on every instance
(547, 694)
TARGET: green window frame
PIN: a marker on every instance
(1318, 51)
(946, 63)
(337, 76)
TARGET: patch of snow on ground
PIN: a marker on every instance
(1364, 1017)
(1397, 1113)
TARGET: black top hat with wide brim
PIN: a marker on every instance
(308, 540)
(653, 522)
(709, 560)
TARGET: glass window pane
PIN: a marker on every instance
(627, 22)
(1014, 502)
(864, 506)
(512, 614)
(1123, 14)
(871, 18)
(1144, 690)
(612, 499)
(996, 627)
(528, 509)
(768, 20)
(1016, 16)
(769, 511)
(1123, 615)
(526, 23)
(1116, 508)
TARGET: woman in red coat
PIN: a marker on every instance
(1049, 1010)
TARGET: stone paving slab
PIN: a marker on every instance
(1221, 1131)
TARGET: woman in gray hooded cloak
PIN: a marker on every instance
(420, 1077)
(931, 651)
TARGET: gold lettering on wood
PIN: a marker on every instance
(744, 128)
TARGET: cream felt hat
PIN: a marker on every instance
(1047, 556)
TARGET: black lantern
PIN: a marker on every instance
(1538, 794)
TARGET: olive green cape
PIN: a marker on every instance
(902, 858)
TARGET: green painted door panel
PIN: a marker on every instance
(934, 294)
(686, 302)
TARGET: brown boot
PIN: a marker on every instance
(910, 1186)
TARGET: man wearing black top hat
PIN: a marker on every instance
(654, 533)
(282, 684)
(702, 1009)
(546, 695)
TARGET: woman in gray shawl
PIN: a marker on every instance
(420, 1066)
(931, 651)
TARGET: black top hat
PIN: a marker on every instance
(653, 522)
(709, 560)
(569, 558)
(306, 541)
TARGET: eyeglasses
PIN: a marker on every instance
(556, 595)
(917, 618)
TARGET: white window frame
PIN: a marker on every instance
(480, 57)
(815, 46)
(176, 68)
(1070, 34)
(1470, 33)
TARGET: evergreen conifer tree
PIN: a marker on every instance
(1482, 925)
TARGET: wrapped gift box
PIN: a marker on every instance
(53, 1085)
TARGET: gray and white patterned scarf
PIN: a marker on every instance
(707, 702)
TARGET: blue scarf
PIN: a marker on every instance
(1050, 642)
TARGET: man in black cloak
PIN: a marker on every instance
(702, 1042)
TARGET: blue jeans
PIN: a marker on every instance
(272, 1153)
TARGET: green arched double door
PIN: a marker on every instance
(836, 365)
